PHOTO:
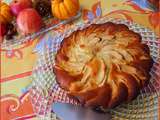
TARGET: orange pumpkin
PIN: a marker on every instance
(5, 13)
(64, 9)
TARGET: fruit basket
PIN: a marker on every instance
(45, 90)
(25, 20)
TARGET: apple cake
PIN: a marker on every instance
(103, 65)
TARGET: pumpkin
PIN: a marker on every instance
(5, 13)
(64, 9)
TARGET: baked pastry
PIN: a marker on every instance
(103, 64)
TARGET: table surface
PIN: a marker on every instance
(17, 63)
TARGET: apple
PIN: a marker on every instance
(29, 21)
(18, 5)
(2, 31)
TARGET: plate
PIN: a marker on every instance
(45, 90)
(50, 24)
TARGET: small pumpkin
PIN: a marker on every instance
(5, 13)
(64, 9)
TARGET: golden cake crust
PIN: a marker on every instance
(103, 64)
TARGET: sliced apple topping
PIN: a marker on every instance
(94, 74)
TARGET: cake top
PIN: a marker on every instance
(107, 59)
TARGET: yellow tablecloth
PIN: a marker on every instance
(17, 64)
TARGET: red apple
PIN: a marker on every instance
(29, 21)
(18, 5)
(2, 31)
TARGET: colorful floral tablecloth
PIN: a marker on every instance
(17, 63)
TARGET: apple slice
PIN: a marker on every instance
(93, 75)
(98, 71)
